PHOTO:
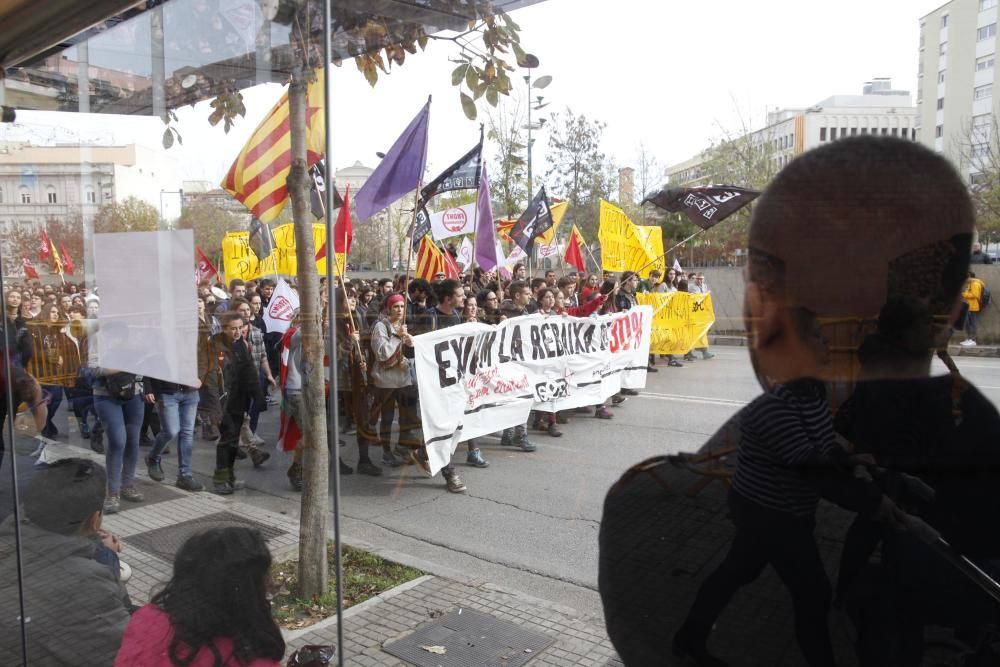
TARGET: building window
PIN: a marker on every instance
(977, 179)
(833, 133)
(985, 63)
(943, 49)
(822, 134)
(913, 134)
(854, 131)
(939, 131)
(941, 76)
(50, 194)
(982, 127)
(982, 92)
(90, 196)
(25, 196)
(987, 4)
(986, 32)
(895, 132)
(940, 103)
(980, 150)
(944, 21)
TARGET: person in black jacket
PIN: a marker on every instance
(239, 384)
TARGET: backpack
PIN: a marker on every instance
(984, 300)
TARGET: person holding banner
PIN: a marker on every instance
(516, 306)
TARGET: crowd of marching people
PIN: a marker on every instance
(244, 369)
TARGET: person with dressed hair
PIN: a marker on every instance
(213, 612)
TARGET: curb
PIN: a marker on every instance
(291, 635)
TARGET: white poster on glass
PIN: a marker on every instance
(148, 319)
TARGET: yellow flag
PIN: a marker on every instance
(680, 320)
(626, 246)
(549, 235)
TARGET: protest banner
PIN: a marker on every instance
(240, 261)
(626, 246)
(680, 321)
(476, 379)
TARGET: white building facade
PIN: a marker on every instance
(956, 79)
(879, 110)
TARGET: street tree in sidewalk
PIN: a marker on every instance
(209, 224)
(980, 158)
(129, 215)
(508, 169)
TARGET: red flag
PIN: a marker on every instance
(451, 266)
(205, 269)
(574, 250)
(45, 249)
(29, 270)
(68, 265)
(342, 232)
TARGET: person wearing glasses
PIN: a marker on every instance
(489, 307)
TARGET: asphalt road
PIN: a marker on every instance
(530, 520)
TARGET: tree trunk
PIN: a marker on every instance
(313, 576)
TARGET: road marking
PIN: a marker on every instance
(704, 400)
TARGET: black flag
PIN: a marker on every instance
(422, 224)
(707, 205)
(463, 175)
(261, 239)
(534, 221)
(316, 192)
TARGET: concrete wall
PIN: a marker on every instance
(727, 298)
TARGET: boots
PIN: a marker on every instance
(257, 456)
(248, 437)
(295, 476)
(224, 482)
(84, 428)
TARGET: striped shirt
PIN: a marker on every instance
(785, 435)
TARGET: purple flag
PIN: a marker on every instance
(486, 233)
(400, 170)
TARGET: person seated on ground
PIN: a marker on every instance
(214, 610)
(74, 600)
(902, 215)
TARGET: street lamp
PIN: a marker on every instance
(530, 62)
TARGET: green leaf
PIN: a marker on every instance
(479, 89)
(458, 74)
(471, 77)
(422, 40)
(168, 138)
(179, 140)
(371, 74)
(491, 96)
(468, 106)
(510, 22)
(519, 53)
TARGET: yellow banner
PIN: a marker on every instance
(626, 246)
(680, 321)
(240, 261)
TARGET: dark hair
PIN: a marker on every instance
(536, 283)
(627, 276)
(519, 265)
(265, 282)
(237, 301)
(682, 285)
(564, 282)
(219, 589)
(235, 282)
(516, 286)
(446, 288)
(80, 310)
(64, 494)
(230, 316)
(542, 292)
(418, 284)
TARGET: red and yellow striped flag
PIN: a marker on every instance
(259, 173)
(431, 260)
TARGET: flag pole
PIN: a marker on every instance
(413, 220)
(671, 249)
(339, 274)
(475, 213)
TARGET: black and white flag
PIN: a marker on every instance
(318, 190)
(707, 205)
(261, 239)
(462, 175)
(533, 222)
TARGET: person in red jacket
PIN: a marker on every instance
(214, 610)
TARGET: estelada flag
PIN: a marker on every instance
(45, 248)
(206, 270)
(574, 250)
(258, 176)
(431, 260)
(706, 206)
(68, 265)
(29, 270)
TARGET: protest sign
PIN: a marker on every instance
(240, 261)
(680, 321)
(476, 379)
(281, 308)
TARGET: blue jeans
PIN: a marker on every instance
(121, 420)
(55, 400)
(177, 412)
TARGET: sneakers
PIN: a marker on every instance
(507, 437)
(689, 356)
(154, 469)
(221, 482)
(258, 456)
(525, 444)
(673, 363)
(968, 342)
(369, 468)
(618, 399)
(652, 369)
(476, 460)
(112, 504)
(131, 494)
(554, 431)
(188, 483)
(705, 354)
(629, 392)
(603, 413)
(418, 461)
(391, 460)
(454, 483)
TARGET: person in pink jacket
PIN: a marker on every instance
(213, 612)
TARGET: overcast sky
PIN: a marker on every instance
(669, 74)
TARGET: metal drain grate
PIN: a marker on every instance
(165, 542)
(470, 639)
